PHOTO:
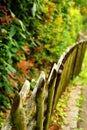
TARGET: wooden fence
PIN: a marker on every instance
(37, 113)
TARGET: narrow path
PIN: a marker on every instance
(72, 109)
(83, 114)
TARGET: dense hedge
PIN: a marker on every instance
(33, 34)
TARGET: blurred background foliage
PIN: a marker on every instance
(33, 34)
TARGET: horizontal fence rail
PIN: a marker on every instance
(37, 113)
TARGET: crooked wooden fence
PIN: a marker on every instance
(37, 113)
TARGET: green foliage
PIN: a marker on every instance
(79, 128)
(4, 102)
(12, 39)
(1, 118)
(33, 33)
(81, 3)
(9, 46)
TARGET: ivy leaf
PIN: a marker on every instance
(8, 90)
(10, 69)
(18, 21)
(23, 35)
(12, 31)
(1, 84)
(34, 10)
(14, 50)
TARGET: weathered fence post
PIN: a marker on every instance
(35, 107)
(18, 119)
(17, 109)
(51, 88)
(40, 104)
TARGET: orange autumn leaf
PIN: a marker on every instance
(23, 66)
(27, 49)
(20, 52)
(31, 62)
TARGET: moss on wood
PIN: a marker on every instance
(65, 76)
(18, 119)
(40, 104)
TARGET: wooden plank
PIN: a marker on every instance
(65, 76)
(79, 58)
(40, 103)
(31, 106)
(25, 90)
(18, 119)
(51, 87)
